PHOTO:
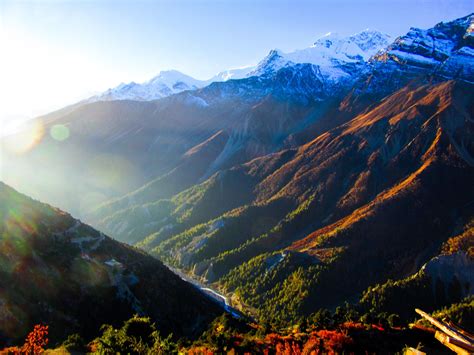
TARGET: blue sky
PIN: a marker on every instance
(61, 51)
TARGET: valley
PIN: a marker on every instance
(306, 204)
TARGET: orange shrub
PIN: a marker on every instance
(333, 340)
(36, 340)
(34, 344)
(288, 348)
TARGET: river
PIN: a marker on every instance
(210, 292)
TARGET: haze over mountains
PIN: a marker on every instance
(315, 178)
(143, 140)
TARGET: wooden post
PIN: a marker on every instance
(445, 328)
(458, 341)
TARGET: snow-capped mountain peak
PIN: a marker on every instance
(329, 52)
(360, 46)
(164, 84)
(271, 63)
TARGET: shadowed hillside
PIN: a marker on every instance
(58, 271)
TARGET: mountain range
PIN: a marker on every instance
(342, 172)
(330, 52)
(166, 83)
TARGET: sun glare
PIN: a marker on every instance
(29, 134)
(40, 77)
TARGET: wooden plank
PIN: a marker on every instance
(446, 328)
(453, 344)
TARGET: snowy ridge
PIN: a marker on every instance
(446, 50)
(330, 53)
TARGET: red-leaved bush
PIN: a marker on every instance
(34, 344)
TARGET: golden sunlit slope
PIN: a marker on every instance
(441, 139)
(405, 223)
(58, 271)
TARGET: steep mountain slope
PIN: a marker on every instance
(333, 205)
(445, 278)
(56, 270)
(357, 86)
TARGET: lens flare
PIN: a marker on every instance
(59, 132)
(25, 138)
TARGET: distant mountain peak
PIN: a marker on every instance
(367, 42)
(166, 83)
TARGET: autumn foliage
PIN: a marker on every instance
(318, 342)
(35, 342)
